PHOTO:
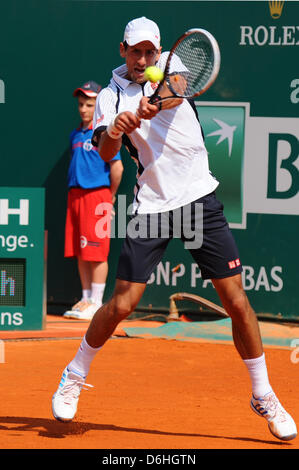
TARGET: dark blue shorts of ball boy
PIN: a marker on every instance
(203, 229)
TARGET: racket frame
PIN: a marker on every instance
(155, 98)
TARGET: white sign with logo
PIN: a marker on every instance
(271, 166)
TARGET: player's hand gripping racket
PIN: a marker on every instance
(191, 67)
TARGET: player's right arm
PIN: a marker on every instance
(104, 114)
(111, 139)
(108, 127)
(107, 147)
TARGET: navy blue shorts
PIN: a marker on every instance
(203, 229)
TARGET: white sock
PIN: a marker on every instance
(82, 360)
(86, 294)
(97, 292)
(259, 376)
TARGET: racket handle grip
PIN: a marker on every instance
(156, 100)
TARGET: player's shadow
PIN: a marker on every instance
(59, 430)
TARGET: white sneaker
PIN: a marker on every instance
(280, 423)
(78, 307)
(83, 310)
(65, 399)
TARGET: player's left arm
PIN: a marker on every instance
(147, 110)
(165, 91)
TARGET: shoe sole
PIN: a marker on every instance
(63, 420)
(76, 316)
(79, 318)
(68, 314)
(282, 438)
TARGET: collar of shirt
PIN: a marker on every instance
(119, 78)
(84, 129)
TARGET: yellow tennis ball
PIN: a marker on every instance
(153, 74)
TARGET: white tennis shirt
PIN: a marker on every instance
(172, 161)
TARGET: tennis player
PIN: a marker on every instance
(173, 174)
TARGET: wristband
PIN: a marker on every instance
(113, 132)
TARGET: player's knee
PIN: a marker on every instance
(122, 309)
(239, 307)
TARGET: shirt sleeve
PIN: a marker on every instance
(117, 157)
(105, 112)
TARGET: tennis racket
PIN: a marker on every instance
(191, 66)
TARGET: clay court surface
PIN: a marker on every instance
(148, 394)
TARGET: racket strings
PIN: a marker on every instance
(191, 65)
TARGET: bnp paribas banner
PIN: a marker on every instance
(257, 158)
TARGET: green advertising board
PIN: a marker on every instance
(249, 117)
(22, 259)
